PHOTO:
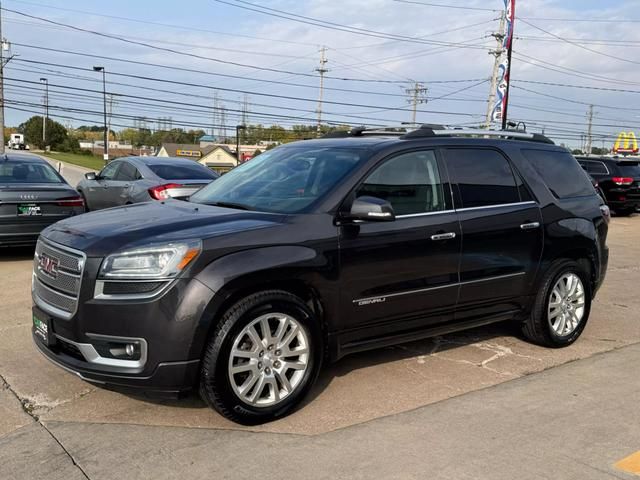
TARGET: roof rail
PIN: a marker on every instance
(362, 131)
(429, 131)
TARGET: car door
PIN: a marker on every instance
(401, 275)
(122, 184)
(502, 234)
(97, 191)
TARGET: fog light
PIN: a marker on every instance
(130, 349)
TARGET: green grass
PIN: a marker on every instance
(87, 161)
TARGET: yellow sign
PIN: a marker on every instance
(188, 153)
(626, 143)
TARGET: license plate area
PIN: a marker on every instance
(29, 210)
(42, 327)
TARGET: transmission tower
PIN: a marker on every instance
(589, 143)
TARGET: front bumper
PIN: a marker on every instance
(167, 326)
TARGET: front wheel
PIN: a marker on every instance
(562, 306)
(262, 359)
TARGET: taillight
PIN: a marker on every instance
(622, 180)
(161, 191)
(70, 202)
(606, 213)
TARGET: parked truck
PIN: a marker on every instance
(16, 142)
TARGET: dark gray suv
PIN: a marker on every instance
(141, 179)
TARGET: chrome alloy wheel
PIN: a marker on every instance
(566, 305)
(268, 359)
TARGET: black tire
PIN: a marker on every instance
(625, 212)
(86, 205)
(537, 327)
(215, 386)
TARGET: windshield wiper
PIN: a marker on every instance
(237, 206)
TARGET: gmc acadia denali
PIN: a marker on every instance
(318, 249)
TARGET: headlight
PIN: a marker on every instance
(158, 261)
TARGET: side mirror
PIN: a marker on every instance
(91, 176)
(372, 209)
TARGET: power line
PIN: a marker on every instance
(575, 44)
(441, 5)
(336, 26)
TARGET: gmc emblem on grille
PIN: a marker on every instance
(48, 265)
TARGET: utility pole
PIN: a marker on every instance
(497, 53)
(3, 42)
(321, 70)
(105, 151)
(45, 114)
(215, 117)
(588, 147)
(510, 14)
(417, 95)
(111, 103)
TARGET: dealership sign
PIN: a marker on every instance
(188, 153)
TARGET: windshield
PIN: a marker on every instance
(11, 172)
(182, 172)
(283, 180)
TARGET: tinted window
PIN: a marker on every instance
(28, 173)
(182, 171)
(127, 172)
(109, 172)
(629, 169)
(410, 182)
(597, 168)
(561, 172)
(484, 177)
(285, 179)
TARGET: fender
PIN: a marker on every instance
(257, 268)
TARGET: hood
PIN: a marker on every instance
(102, 232)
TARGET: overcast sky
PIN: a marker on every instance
(444, 48)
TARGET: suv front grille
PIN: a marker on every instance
(57, 289)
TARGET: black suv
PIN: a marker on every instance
(318, 249)
(618, 180)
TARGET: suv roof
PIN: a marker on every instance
(433, 131)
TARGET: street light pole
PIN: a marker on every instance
(238, 128)
(104, 98)
(45, 114)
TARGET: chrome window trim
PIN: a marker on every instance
(440, 287)
(92, 356)
(425, 214)
(502, 205)
(99, 294)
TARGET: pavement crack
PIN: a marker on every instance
(28, 407)
(64, 449)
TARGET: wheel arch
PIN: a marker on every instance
(235, 276)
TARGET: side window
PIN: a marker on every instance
(410, 182)
(561, 172)
(483, 177)
(599, 168)
(109, 172)
(127, 172)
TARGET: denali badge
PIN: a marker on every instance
(48, 265)
(371, 301)
(27, 196)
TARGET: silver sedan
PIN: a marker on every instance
(141, 179)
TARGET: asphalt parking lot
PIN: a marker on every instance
(388, 385)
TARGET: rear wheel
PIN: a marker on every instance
(562, 306)
(625, 212)
(262, 359)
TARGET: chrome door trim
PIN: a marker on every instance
(490, 207)
(383, 298)
(425, 214)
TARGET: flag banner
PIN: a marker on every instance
(503, 72)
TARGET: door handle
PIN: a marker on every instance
(443, 236)
(530, 226)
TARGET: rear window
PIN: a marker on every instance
(182, 171)
(11, 172)
(629, 169)
(561, 172)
